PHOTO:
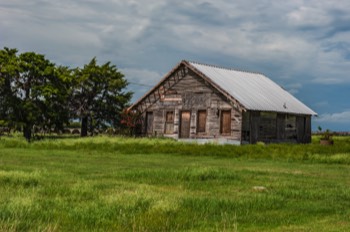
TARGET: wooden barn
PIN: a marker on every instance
(210, 103)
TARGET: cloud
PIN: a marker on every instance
(140, 81)
(128, 31)
(293, 88)
(309, 17)
(302, 41)
(343, 117)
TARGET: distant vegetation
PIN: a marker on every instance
(37, 95)
(123, 184)
(127, 145)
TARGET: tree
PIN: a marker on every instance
(8, 70)
(99, 96)
(132, 122)
(57, 93)
(34, 91)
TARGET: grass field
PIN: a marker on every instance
(119, 184)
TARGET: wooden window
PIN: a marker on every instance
(225, 124)
(169, 122)
(201, 121)
(268, 126)
(291, 130)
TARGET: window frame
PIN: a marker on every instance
(169, 123)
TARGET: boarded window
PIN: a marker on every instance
(291, 130)
(149, 123)
(201, 121)
(169, 122)
(268, 127)
(225, 125)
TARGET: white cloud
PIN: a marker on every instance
(130, 30)
(309, 16)
(299, 41)
(343, 117)
(142, 76)
(293, 88)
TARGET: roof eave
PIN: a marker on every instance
(240, 106)
(156, 86)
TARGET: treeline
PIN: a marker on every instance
(38, 94)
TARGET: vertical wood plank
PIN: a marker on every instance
(281, 126)
(254, 126)
(185, 122)
(226, 122)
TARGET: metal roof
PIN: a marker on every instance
(253, 90)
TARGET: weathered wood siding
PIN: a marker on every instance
(304, 129)
(190, 100)
(254, 126)
(281, 128)
(191, 94)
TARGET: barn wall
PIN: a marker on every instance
(283, 128)
(304, 129)
(254, 126)
(192, 94)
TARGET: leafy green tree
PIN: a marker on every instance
(8, 70)
(56, 94)
(34, 92)
(99, 96)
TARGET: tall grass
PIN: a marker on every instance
(339, 153)
(123, 184)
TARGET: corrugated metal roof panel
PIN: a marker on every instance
(253, 90)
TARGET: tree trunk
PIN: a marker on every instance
(27, 132)
(91, 127)
(84, 126)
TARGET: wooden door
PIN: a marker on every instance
(169, 122)
(201, 121)
(149, 123)
(225, 125)
(185, 122)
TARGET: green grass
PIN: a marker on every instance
(123, 184)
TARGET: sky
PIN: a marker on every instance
(302, 45)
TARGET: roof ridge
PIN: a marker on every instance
(221, 67)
